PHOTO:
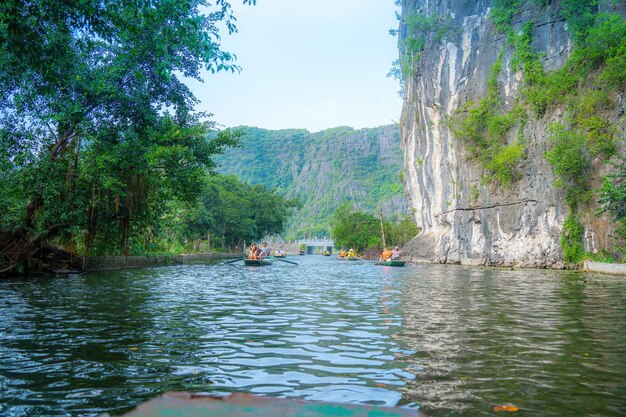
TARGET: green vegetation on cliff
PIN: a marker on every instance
(585, 87)
(323, 170)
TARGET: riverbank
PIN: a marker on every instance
(108, 263)
(587, 266)
(604, 268)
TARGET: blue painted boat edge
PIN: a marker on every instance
(185, 404)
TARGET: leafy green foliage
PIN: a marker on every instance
(596, 65)
(503, 12)
(580, 16)
(613, 195)
(397, 233)
(572, 239)
(613, 201)
(354, 229)
(484, 128)
(361, 231)
(233, 212)
(419, 29)
(570, 161)
(98, 128)
(603, 48)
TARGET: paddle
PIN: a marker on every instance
(289, 262)
(233, 261)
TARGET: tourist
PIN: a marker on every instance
(265, 251)
(252, 253)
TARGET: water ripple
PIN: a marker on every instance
(452, 340)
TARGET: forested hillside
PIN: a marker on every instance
(323, 169)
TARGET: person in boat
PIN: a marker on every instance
(395, 254)
(351, 254)
(386, 254)
(254, 251)
(342, 254)
(265, 251)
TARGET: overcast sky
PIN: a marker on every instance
(307, 64)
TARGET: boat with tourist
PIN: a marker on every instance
(258, 262)
(390, 262)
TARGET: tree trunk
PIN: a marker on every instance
(382, 226)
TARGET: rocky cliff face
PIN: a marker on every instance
(463, 219)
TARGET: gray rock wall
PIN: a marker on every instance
(515, 226)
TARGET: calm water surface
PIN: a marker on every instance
(450, 340)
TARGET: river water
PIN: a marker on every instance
(447, 339)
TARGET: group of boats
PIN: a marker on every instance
(279, 256)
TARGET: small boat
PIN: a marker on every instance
(352, 258)
(280, 255)
(326, 253)
(301, 252)
(180, 404)
(258, 262)
(391, 263)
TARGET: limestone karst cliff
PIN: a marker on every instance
(469, 212)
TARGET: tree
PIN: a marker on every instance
(97, 127)
(355, 229)
(401, 231)
(235, 212)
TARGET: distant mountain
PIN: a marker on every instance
(323, 170)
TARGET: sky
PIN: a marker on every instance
(307, 64)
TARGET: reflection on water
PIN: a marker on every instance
(454, 340)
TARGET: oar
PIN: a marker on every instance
(233, 261)
(289, 262)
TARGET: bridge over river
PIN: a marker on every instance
(311, 244)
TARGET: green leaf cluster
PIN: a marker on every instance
(613, 200)
(419, 29)
(98, 133)
(484, 128)
(355, 229)
(234, 212)
(595, 67)
(362, 231)
(572, 239)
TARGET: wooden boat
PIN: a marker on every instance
(179, 404)
(258, 262)
(391, 263)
